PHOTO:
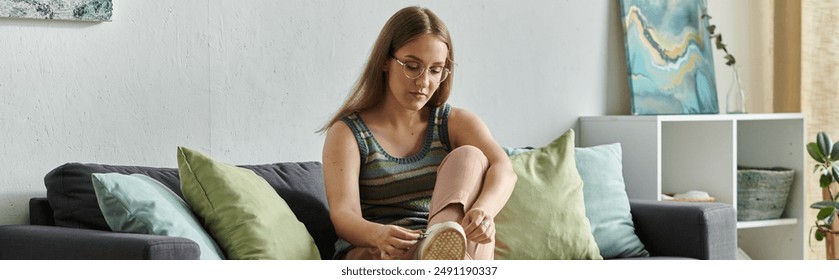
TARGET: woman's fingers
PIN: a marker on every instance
(478, 226)
(481, 235)
(485, 238)
(402, 244)
(406, 234)
(403, 238)
(394, 241)
(471, 220)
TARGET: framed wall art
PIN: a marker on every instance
(83, 10)
(669, 57)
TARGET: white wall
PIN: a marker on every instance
(250, 81)
(747, 30)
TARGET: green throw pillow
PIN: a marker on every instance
(545, 217)
(607, 206)
(240, 209)
(139, 204)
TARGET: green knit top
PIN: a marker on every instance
(397, 191)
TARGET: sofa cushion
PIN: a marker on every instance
(70, 194)
(300, 184)
(545, 218)
(607, 205)
(137, 203)
(70, 191)
(241, 211)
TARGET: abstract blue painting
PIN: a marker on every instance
(84, 10)
(669, 57)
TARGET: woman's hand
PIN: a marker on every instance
(394, 241)
(478, 226)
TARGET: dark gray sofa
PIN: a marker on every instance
(68, 224)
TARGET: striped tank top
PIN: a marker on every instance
(397, 191)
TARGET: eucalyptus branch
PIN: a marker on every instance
(718, 40)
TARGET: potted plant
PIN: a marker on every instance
(826, 154)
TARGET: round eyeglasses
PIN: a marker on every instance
(414, 70)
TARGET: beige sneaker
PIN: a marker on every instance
(443, 241)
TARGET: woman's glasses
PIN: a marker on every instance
(414, 70)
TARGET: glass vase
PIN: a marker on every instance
(736, 99)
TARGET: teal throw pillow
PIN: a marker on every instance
(137, 203)
(516, 151)
(607, 206)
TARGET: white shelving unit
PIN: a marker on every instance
(678, 153)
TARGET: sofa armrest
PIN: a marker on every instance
(685, 229)
(27, 242)
(40, 212)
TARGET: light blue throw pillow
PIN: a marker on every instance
(607, 206)
(516, 151)
(139, 204)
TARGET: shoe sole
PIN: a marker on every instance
(446, 245)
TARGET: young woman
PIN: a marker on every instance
(408, 176)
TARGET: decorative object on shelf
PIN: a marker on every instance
(826, 153)
(669, 58)
(689, 196)
(735, 101)
(81, 10)
(762, 192)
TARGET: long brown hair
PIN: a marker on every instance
(404, 26)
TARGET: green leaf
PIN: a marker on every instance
(719, 43)
(825, 212)
(824, 143)
(730, 59)
(824, 204)
(813, 150)
(825, 180)
(835, 172)
(835, 197)
(819, 235)
(834, 155)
